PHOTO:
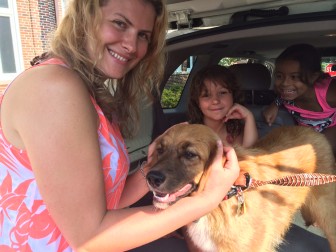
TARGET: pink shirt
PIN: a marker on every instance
(317, 120)
(25, 223)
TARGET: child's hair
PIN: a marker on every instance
(308, 58)
(222, 76)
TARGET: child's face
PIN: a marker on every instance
(215, 101)
(288, 80)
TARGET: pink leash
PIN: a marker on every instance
(301, 179)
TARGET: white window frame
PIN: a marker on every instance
(11, 12)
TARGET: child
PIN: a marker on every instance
(305, 91)
(215, 99)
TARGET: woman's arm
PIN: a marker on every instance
(135, 188)
(57, 125)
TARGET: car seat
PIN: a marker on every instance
(152, 124)
(255, 81)
(137, 146)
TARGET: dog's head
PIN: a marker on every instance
(180, 159)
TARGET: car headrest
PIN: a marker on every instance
(255, 81)
(252, 76)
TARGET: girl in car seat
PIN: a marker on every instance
(214, 100)
(307, 93)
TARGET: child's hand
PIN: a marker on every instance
(270, 113)
(238, 112)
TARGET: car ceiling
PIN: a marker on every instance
(219, 12)
(318, 29)
(258, 39)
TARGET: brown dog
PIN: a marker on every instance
(183, 154)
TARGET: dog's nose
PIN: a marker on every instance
(155, 178)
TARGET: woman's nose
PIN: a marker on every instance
(129, 42)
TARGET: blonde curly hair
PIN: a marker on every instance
(119, 99)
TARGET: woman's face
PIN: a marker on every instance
(288, 80)
(125, 34)
(215, 101)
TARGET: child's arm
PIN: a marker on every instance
(271, 111)
(331, 94)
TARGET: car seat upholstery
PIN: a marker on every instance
(255, 81)
(137, 146)
(152, 124)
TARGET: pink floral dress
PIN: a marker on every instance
(25, 223)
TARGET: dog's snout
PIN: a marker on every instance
(155, 178)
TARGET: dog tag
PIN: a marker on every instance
(241, 203)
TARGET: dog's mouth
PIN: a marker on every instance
(163, 200)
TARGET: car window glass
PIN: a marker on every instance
(328, 65)
(173, 89)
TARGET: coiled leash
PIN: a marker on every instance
(245, 182)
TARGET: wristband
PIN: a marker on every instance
(142, 169)
(278, 101)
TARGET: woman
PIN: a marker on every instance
(64, 164)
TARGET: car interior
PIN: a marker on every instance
(245, 36)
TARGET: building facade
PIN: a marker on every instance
(26, 27)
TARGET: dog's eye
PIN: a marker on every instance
(189, 155)
(159, 150)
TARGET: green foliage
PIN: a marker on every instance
(323, 66)
(171, 95)
(229, 61)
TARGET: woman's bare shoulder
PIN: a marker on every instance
(48, 83)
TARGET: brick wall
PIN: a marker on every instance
(37, 19)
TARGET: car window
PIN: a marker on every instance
(329, 65)
(173, 89)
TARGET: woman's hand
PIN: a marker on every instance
(220, 179)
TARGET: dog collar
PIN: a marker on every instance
(241, 184)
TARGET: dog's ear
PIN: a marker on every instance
(152, 155)
(212, 154)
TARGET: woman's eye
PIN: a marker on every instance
(120, 24)
(144, 36)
